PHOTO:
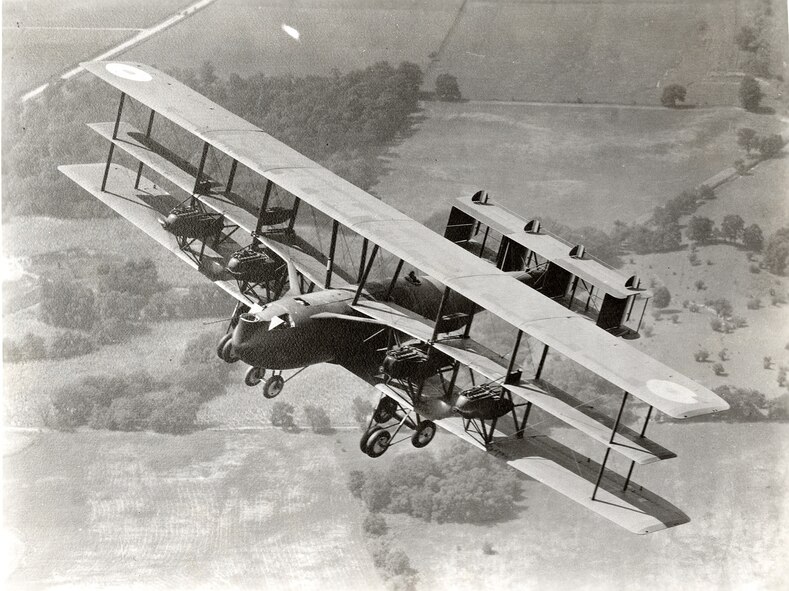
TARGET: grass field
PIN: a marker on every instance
(245, 36)
(618, 52)
(43, 38)
(582, 165)
(265, 509)
(726, 275)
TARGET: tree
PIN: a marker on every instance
(776, 252)
(282, 415)
(134, 277)
(361, 411)
(375, 525)
(174, 412)
(732, 227)
(750, 93)
(662, 297)
(70, 344)
(67, 304)
(752, 238)
(747, 39)
(318, 419)
(447, 88)
(740, 167)
(747, 138)
(771, 145)
(700, 229)
(671, 94)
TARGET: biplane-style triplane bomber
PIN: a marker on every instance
(317, 268)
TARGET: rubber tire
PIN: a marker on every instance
(273, 386)
(366, 436)
(221, 345)
(254, 376)
(424, 433)
(381, 436)
(385, 411)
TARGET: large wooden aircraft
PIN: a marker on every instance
(304, 298)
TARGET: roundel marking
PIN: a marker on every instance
(672, 391)
(129, 72)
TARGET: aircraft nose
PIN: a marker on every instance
(248, 326)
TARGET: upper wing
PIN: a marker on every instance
(571, 335)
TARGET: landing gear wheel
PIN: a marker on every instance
(378, 443)
(227, 353)
(366, 437)
(424, 433)
(273, 386)
(254, 376)
(385, 411)
(221, 346)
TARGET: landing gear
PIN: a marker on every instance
(366, 436)
(221, 346)
(378, 443)
(254, 376)
(273, 386)
(386, 410)
(424, 433)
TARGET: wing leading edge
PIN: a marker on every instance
(547, 321)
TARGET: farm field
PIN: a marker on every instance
(228, 508)
(245, 36)
(726, 275)
(42, 38)
(565, 51)
(581, 165)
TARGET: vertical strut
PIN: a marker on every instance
(200, 168)
(523, 421)
(147, 135)
(644, 311)
(484, 240)
(112, 146)
(231, 177)
(542, 363)
(330, 263)
(572, 292)
(600, 474)
(441, 306)
(293, 213)
(263, 206)
(633, 464)
(618, 418)
(589, 299)
(393, 282)
(365, 274)
(363, 259)
(513, 355)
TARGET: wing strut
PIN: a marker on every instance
(363, 279)
(393, 282)
(112, 146)
(231, 177)
(330, 262)
(147, 136)
(632, 463)
(200, 168)
(608, 449)
(542, 363)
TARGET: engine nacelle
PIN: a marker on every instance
(482, 403)
(410, 362)
(254, 264)
(193, 222)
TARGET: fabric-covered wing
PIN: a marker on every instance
(547, 321)
(135, 205)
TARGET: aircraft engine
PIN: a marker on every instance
(193, 222)
(482, 402)
(254, 263)
(412, 362)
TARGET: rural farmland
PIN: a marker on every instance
(561, 118)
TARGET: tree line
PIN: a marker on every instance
(343, 121)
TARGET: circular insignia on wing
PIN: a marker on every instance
(129, 72)
(672, 391)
